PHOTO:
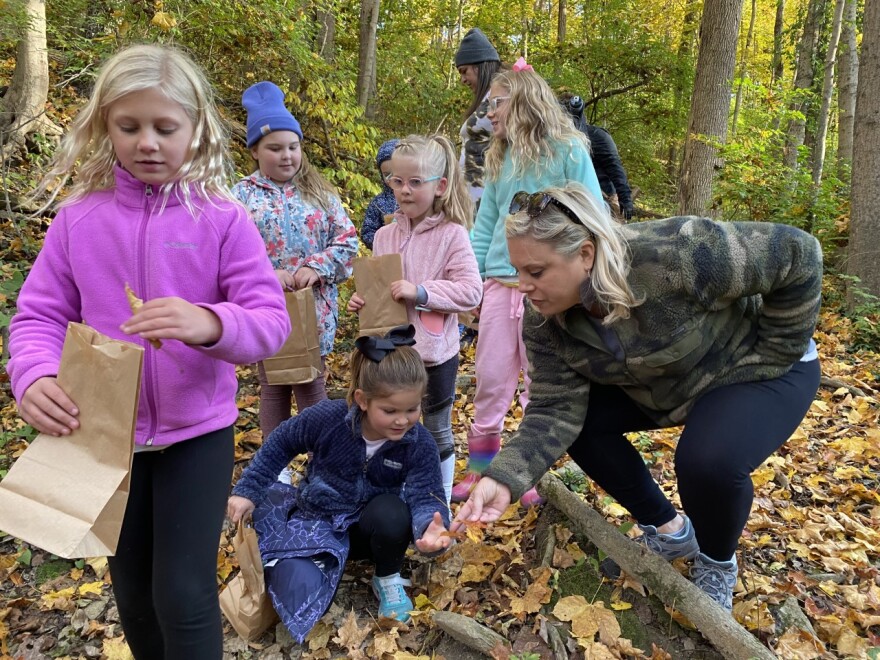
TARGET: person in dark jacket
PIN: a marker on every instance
(384, 203)
(606, 161)
(373, 485)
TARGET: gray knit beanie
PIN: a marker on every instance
(475, 48)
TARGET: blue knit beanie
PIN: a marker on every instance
(266, 112)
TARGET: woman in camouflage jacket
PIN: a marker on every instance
(682, 321)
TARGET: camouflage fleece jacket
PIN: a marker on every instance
(724, 303)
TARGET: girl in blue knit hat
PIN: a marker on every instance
(310, 240)
(384, 203)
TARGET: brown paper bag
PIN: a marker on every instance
(299, 360)
(245, 601)
(67, 495)
(372, 279)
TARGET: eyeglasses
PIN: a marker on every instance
(396, 183)
(495, 102)
(536, 203)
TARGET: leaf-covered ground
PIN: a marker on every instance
(812, 539)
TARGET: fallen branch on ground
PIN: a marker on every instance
(713, 622)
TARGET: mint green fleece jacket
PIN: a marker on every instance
(570, 162)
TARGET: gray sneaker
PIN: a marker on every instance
(715, 578)
(670, 546)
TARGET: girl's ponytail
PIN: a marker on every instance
(455, 202)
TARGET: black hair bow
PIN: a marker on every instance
(376, 348)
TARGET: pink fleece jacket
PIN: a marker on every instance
(438, 256)
(216, 260)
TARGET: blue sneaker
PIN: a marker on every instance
(393, 601)
(670, 546)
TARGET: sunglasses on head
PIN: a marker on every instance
(535, 204)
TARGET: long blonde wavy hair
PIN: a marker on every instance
(535, 123)
(206, 169)
(437, 157)
(314, 188)
(611, 263)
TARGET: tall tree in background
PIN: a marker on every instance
(848, 66)
(743, 67)
(325, 17)
(818, 153)
(366, 80)
(710, 103)
(803, 82)
(23, 107)
(778, 29)
(560, 22)
(864, 240)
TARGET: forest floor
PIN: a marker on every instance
(812, 543)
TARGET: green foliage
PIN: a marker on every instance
(864, 313)
(15, 20)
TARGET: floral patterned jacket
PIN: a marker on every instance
(299, 234)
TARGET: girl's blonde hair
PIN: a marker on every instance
(312, 185)
(437, 157)
(611, 263)
(401, 369)
(207, 167)
(536, 124)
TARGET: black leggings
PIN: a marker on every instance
(382, 534)
(728, 433)
(165, 569)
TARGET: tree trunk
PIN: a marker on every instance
(325, 44)
(818, 156)
(683, 55)
(864, 236)
(710, 103)
(743, 71)
(561, 22)
(848, 71)
(803, 81)
(778, 29)
(366, 80)
(23, 108)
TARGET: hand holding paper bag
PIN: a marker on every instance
(68, 494)
(373, 277)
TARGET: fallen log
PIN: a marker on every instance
(713, 622)
(470, 633)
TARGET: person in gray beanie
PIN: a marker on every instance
(477, 62)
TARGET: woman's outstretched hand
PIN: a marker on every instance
(435, 537)
(487, 502)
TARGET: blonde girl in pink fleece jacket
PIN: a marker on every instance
(150, 206)
(441, 279)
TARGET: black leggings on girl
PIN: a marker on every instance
(729, 432)
(165, 569)
(382, 534)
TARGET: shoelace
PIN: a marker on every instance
(392, 589)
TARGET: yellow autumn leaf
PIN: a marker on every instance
(90, 588)
(58, 600)
(163, 20)
(619, 605)
(116, 649)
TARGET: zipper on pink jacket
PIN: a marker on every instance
(142, 288)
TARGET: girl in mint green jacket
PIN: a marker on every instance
(534, 146)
